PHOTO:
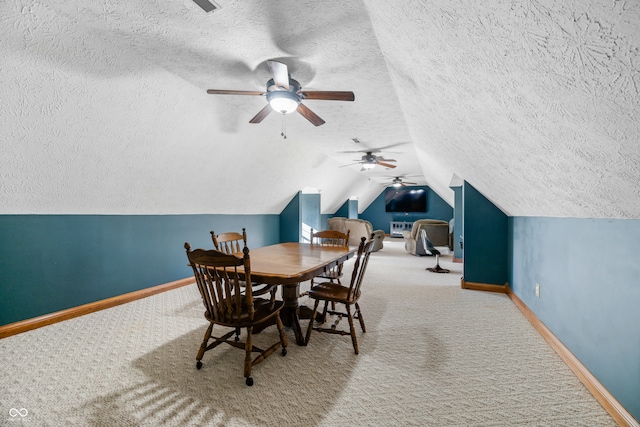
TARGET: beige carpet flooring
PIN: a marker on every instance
(433, 355)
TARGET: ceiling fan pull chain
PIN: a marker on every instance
(284, 127)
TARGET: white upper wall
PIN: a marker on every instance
(104, 106)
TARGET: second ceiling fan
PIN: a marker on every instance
(369, 160)
(399, 182)
(285, 95)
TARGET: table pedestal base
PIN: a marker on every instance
(292, 312)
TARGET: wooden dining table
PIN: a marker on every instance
(288, 265)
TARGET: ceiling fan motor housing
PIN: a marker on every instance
(294, 86)
(369, 158)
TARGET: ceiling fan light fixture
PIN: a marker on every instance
(397, 184)
(283, 102)
(368, 165)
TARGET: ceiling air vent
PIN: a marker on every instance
(206, 5)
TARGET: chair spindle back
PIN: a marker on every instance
(229, 242)
(329, 238)
(360, 266)
(224, 282)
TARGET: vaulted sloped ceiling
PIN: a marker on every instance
(105, 110)
(535, 103)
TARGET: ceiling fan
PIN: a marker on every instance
(369, 160)
(285, 95)
(398, 182)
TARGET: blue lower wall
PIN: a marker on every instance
(458, 215)
(290, 220)
(299, 217)
(486, 244)
(310, 215)
(348, 210)
(589, 276)
(53, 262)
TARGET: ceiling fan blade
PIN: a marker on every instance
(310, 115)
(350, 164)
(262, 114)
(386, 165)
(234, 92)
(380, 158)
(280, 73)
(411, 183)
(328, 95)
(386, 147)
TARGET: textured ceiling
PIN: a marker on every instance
(534, 103)
(105, 110)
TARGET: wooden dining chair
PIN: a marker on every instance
(232, 242)
(230, 305)
(329, 238)
(346, 295)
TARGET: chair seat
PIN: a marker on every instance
(432, 251)
(263, 310)
(332, 292)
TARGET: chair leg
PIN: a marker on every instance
(248, 346)
(333, 303)
(283, 337)
(324, 312)
(354, 340)
(437, 268)
(359, 315)
(310, 327)
(203, 346)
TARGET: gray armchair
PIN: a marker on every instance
(437, 232)
(357, 228)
